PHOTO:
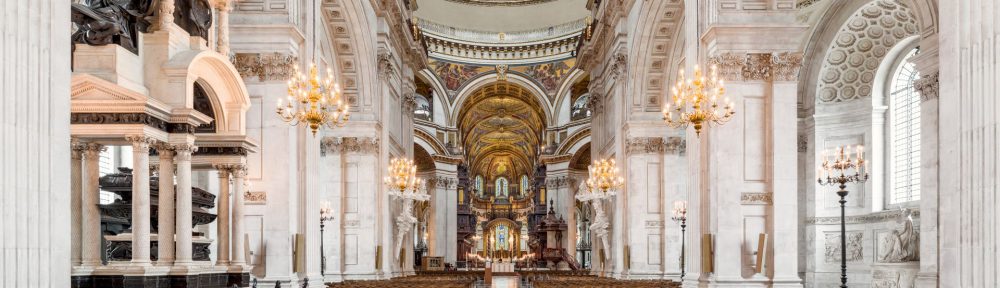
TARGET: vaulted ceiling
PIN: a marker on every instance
(501, 127)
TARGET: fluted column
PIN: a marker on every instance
(239, 173)
(76, 191)
(224, 7)
(223, 219)
(184, 222)
(165, 214)
(90, 222)
(140, 199)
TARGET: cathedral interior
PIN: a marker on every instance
(499, 143)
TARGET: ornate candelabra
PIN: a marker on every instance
(696, 101)
(602, 184)
(837, 171)
(680, 216)
(407, 187)
(325, 214)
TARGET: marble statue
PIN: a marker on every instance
(901, 245)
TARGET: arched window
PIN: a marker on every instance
(423, 109)
(904, 134)
(479, 184)
(501, 187)
(524, 185)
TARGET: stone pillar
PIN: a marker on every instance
(222, 221)
(223, 7)
(165, 214)
(76, 194)
(184, 222)
(238, 259)
(90, 222)
(140, 199)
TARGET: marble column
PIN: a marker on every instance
(35, 144)
(76, 194)
(140, 199)
(184, 222)
(223, 6)
(222, 222)
(90, 222)
(238, 258)
(165, 214)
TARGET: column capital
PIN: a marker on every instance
(927, 86)
(140, 141)
(738, 66)
(77, 148)
(224, 169)
(183, 151)
(238, 170)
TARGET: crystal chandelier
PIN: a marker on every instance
(314, 101)
(604, 177)
(402, 176)
(842, 164)
(696, 101)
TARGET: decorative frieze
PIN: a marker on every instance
(861, 219)
(559, 182)
(265, 66)
(118, 118)
(782, 66)
(363, 145)
(442, 182)
(751, 198)
(255, 197)
(226, 151)
(927, 86)
(653, 145)
(654, 224)
(854, 249)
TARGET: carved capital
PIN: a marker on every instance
(184, 150)
(265, 66)
(330, 145)
(224, 170)
(91, 150)
(140, 142)
(758, 66)
(239, 171)
(77, 148)
(596, 102)
(385, 65)
(785, 66)
(619, 65)
(409, 103)
(560, 182)
(927, 86)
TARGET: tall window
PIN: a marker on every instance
(904, 134)
(501, 187)
(524, 185)
(479, 184)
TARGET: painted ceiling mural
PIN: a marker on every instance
(501, 127)
(547, 75)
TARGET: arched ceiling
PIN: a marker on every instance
(501, 127)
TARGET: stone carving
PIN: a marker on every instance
(103, 22)
(409, 103)
(364, 145)
(231, 151)
(595, 102)
(901, 245)
(650, 145)
(927, 86)
(255, 197)
(803, 143)
(266, 67)
(501, 72)
(118, 118)
(869, 218)
(559, 182)
(758, 66)
(852, 59)
(756, 198)
(619, 65)
(654, 224)
(442, 182)
(385, 66)
(854, 249)
(194, 16)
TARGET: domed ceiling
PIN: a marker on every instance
(501, 15)
(501, 126)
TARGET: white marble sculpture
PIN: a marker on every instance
(901, 245)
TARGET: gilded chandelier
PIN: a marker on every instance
(604, 177)
(696, 101)
(314, 101)
(402, 176)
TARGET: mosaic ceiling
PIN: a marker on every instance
(501, 128)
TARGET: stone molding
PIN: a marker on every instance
(654, 145)
(255, 197)
(385, 65)
(265, 66)
(224, 151)
(363, 145)
(783, 66)
(927, 86)
(756, 198)
(131, 118)
(443, 182)
(560, 182)
(860, 219)
(619, 65)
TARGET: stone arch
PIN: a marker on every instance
(222, 83)
(351, 33)
(490, 78)
(428, 142)
(659, 31)
(574, 142)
